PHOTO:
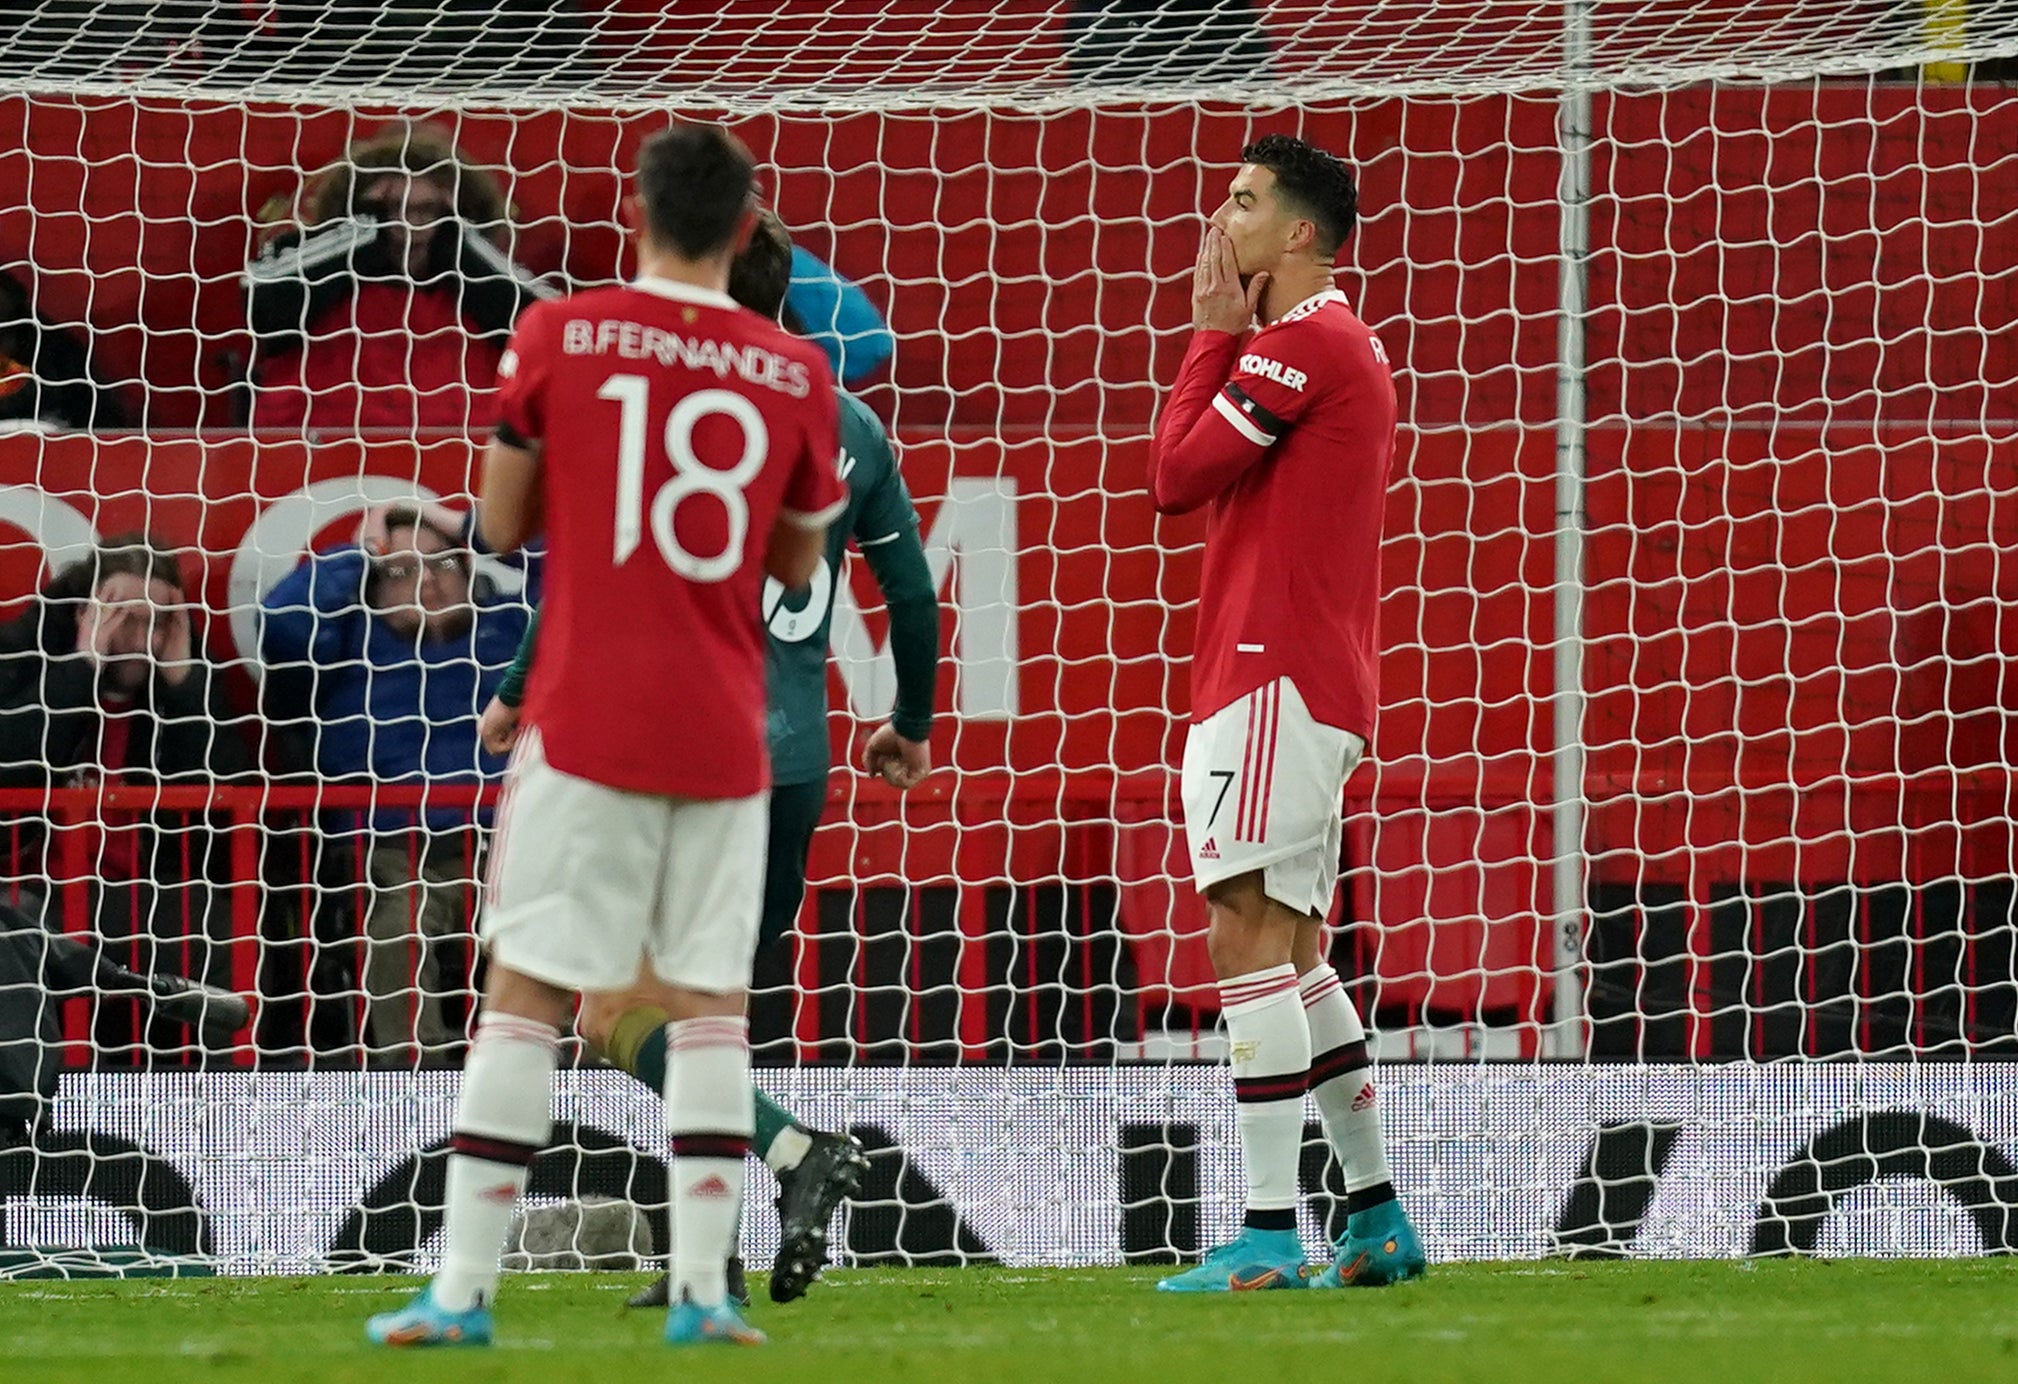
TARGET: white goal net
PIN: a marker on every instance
(1679, 893)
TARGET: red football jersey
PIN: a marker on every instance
(676, 428)
(1289, 437)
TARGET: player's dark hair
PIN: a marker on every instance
(1316, 184)
(761, 275)
(694, 182)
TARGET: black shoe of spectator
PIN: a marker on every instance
(213, 1012)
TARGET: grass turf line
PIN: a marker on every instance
(1551, 1323)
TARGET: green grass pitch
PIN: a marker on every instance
(1563, 1323)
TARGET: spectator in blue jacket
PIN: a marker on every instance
(835, 315)
(392, 648)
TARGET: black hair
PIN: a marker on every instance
(127, 554)
(694, 182)
(50, 622)
(1315, 183)
(761, 275)
(410, 515)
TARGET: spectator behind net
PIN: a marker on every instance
(380, 653)
(101, 680)
(45, 372)
(390, 307)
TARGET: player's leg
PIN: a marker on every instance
(502, 1122)
(703, 942)
(1379, 1246)
(1229, 765)
(574, 871)
(628, 1029)
(817, 1170)
(1250, 935)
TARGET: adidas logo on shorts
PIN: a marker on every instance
(1209, 851)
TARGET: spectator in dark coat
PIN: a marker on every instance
(46, 381)
(102, 681)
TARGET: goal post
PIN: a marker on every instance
(1684, 860)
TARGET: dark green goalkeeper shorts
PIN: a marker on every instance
(796, 809)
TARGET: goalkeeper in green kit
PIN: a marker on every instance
(816, 1171)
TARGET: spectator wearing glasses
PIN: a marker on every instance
(380, 655)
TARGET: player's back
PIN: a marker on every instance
(1291, 585)
(676, 427)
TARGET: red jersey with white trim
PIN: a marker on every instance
(675, 429)
(1288, 437)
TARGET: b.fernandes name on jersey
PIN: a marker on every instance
(636, 341)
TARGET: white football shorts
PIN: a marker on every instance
(588, 882)
(1264, 789)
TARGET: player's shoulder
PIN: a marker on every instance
(859, 422)
(534, 325)
(867, 459)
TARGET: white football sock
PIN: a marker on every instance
(1271, 1070)
(1341, 1080)
(710, 1115)
(502, 1118)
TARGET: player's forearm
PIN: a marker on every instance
(1192, 458)
(511, 689)
(904, 576)
(507, 509)
(914, 648)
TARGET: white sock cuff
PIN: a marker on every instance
(708, 1086)
(507, 1089)
(512, 1028)
(1319, 983)
(1244, 994)
(711, 1031)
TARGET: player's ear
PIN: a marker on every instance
(745, 228)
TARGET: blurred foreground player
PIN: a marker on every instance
(679, 448)
(816, 1170)
(1287, 437)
